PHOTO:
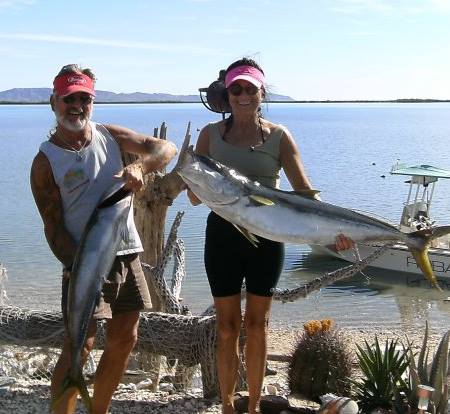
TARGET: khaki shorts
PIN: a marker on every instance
(125, 290)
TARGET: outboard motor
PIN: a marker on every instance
(214, 97)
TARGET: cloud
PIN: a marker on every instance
(46, 38)
(441, 4)
(15, 4)
(358, 6)
(9, 52)
(390, 6)
(229, 31)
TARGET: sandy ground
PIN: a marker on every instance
(31, 396)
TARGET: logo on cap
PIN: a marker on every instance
(77, 80)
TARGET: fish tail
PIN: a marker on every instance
(185, 148)
(84, 393)
(78, 383)
(423, 261)
(420, 250)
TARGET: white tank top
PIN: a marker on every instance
(85, 181)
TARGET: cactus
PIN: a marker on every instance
(382, 382)
(434, 375)
(321, 362)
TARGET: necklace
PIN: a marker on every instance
(78, 152)
(263, 138)
(251, 147)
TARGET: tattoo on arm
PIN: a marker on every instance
(48, 200)
(155, 153)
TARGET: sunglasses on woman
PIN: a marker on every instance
(236, 89)
(84, 99)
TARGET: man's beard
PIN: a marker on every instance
(76, 126)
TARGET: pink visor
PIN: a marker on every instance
(70, 83)
(245, 72)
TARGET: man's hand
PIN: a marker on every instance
(133, 176)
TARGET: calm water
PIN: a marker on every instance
(346, 149)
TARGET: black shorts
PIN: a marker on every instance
(230, 258)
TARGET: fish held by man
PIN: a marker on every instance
(288, 216)
(95, 256)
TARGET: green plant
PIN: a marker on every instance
(433, 375)
(321, 362)
(382, 375)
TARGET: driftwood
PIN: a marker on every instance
(150, 209)
(190, 339)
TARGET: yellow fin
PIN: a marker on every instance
(424, 264)
(249, 236)
(308, 193)
(262, 200)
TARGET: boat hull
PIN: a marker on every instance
(398, 258)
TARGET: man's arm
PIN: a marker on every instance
(156, 154)
(48, 200)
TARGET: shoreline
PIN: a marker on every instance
(267, 102)
(28, 396)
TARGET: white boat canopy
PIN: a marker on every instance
(420, 170)
(416, 211)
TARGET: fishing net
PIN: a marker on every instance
(30, 340)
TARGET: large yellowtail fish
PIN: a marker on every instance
(288, 216)
(93, 261)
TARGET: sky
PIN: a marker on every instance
(308, 49)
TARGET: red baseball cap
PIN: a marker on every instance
(70, 83)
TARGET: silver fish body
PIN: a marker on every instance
(93, 262)
(288, 216)
(285, 216)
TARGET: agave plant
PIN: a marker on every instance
(433, 375)
(382, 380)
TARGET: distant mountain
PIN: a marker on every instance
(39, 95)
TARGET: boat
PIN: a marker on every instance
(415, 216)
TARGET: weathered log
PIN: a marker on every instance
(150, 209)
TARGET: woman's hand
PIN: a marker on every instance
(343, 242)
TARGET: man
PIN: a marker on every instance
(73, 169)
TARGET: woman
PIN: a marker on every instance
(258, 149)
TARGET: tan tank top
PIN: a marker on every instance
(260, 163)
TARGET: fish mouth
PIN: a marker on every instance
(114, 198)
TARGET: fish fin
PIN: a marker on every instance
(440, 231)
(421, 254)
(423, 261)
(432, 233)
(84, 393)
(249, 236)
(185, 148)
(307, 193)
(261, 200)
(68, 383)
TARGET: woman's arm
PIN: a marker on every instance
(292, 164)
(202, 148)
(295, 172)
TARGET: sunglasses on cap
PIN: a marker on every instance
(236, 89)
(84, 99)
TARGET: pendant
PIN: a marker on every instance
(79, 157)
